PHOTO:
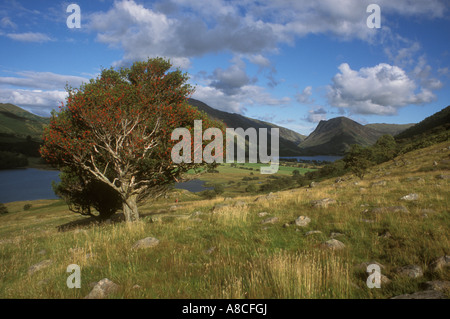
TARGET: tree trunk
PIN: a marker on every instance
(130, 209)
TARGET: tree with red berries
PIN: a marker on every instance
(117, 128)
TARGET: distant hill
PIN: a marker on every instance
(20, 123)
(392, 129)
(289, 139)
(437, 121)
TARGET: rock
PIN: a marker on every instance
(435, 163)
(410, 197)
(440, 263)
(270, 196)
(442, 176)
(369, 221)
(437, 285)
(427, 294)
(338, 180)
(415, 179)
(136, 287)
(380, 183)
(286, 225)
(146, 243)
(334, 244)
(270, 220)
(174, 207)
(324, 202)
(210, 250)
(313, 232)
(102, 289)
(39, 266)
(313, 184)
(262, 214)
(365, 264)
(42, 252)
(412, 271)
(334, 235)
(302, 221)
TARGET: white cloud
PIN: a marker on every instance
(381, 89)
(42, 80)
(38, 101)
(30, 37)
(316, 115)
(39, 92)
(304, 97)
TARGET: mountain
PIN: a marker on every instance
(392, 129)
(20, 123)
(289, 139)
(439, 121)
(334, 137)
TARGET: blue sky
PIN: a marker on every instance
(292, 63)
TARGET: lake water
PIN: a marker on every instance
(26, 184)
(33, 184)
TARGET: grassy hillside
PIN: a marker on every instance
(231, 248)
(20, 123)
(392, 129)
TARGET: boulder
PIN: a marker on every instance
(323, 203)
(334, 244)
(102, 289)
(412, 271)
(270, 220)
(440, 263)
(146, 243)
(302, 221)
(410, 197)
(437, 285)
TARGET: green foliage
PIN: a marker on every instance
(27, 206)
(82, 193)
(358, 160)
(252, 188)
(219, 188)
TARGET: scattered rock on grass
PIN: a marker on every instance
(334, 244)
(322, 203)
(437, 285)
(441, 263)
(146, 243)
(102, 289)
(410, 197)
(270, 220)
(313, 232)
(412, 271)
(302, 221)
(40, 265)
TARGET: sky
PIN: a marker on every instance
(291, 63)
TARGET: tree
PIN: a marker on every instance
(116, 131)
(384, 149)
(358, 160)
(82, 192)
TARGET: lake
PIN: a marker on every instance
(33, 184)
(26, 184)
